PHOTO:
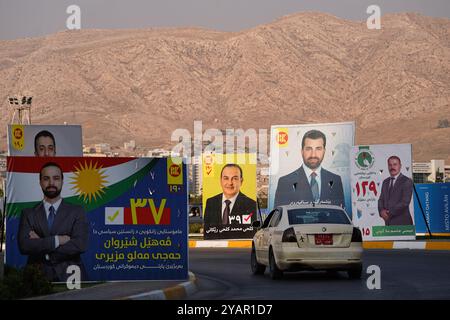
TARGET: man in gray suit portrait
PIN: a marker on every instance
(54, 233)
(396, 194)
(311, 182)
(44, 144)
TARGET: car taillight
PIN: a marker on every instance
(289, 235)
(356, 236)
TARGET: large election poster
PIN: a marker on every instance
(118, 218)
(229, 196)
(382, 189)
(435, 199)
(45, 140)
(310, 163)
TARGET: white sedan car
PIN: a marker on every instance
(307, 237)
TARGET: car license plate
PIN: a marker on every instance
(326, 239)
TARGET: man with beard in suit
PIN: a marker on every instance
(311, 182)
(54, 233)
(396, 194)
(231, 206)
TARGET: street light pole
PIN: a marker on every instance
(22, 108)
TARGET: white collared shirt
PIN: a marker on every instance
(318, 171)
(395, 179)
(47, 206)
(233, 201)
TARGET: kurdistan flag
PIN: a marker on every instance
(89, 182)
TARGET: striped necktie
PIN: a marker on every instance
(315, 187)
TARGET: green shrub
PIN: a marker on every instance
(24, 283)
(195, 227)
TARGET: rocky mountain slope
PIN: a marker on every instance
(302, 68)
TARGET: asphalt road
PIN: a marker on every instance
(224, 273)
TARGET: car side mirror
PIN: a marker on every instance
(256, 224)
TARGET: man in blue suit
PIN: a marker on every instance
(310, 182)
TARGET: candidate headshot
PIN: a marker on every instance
(54, 233)
(396, 194)
(310, 182)
(44, 144)
(231, 206)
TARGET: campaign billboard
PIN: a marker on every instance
(44, 140)
(434, 198)
(310, 163)
(114, 218)
(382, 188)
(229, 196)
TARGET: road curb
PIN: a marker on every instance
(413, 245)
(177, 292)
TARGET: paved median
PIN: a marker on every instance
(180, 291)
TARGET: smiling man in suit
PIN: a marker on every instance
(396, 194)
(311, 182)
(231, 206)
(54, 233)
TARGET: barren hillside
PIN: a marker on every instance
(307, 67)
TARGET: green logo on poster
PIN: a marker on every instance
(364, 158)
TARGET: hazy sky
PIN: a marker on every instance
(31, 18)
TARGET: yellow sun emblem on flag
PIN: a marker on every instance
(89, 181)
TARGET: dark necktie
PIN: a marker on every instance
(51, 216)
(314, 187)
(391, 186)
(226, 212)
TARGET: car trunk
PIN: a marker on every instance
(323, 235)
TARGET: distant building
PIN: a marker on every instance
(94, 154)
(195, 176)
(262, 183)
(102, 148)
(99, 150)
(158, 153)
(161, 153)
(130, 146)
(2, 167)
(2, 163)
(88, 149)
(430, 172)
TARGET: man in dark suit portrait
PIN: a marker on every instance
(231, 206)
(396, 194)
(311, 182)
(54, 233)
(44, 144)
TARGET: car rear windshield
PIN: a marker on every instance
(317, 215)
